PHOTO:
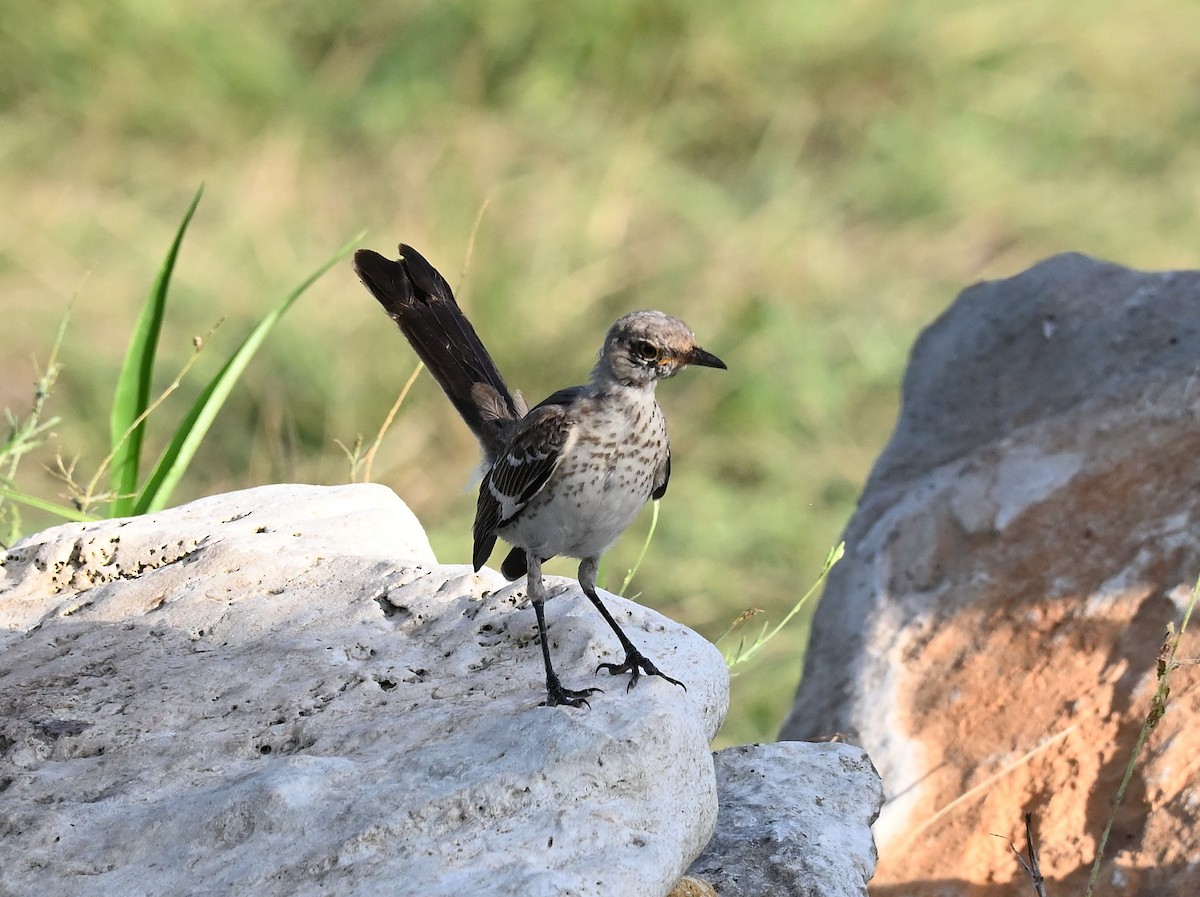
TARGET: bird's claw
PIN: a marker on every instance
(635, 664)
(557, 695)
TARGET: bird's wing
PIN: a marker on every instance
(564, 397)
(662, 476)
(522, 470)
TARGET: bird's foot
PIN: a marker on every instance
(635, 664)
(556, 694)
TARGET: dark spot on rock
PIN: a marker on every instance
(391, 610)
(63, 728)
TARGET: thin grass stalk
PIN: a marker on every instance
(632, 572)
(369, 458)
(1158, 706)
(743, 654)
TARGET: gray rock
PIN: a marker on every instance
(991, 635)
(1068, 333)
(795, 821)
(280, 692)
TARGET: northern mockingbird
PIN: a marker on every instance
(567, 476)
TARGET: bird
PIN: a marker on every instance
(567, 476)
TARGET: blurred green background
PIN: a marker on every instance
(806, 183)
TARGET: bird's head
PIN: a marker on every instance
(647, 346)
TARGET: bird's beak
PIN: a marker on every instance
(696, 355)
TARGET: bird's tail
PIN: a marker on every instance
(420, 301)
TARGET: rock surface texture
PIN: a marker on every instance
(795, 819)
(280, 692)
(991, 635)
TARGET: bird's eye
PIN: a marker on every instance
(645, 350)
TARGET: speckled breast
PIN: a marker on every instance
(601, 484)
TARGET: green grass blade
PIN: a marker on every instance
(67, 513)
(192, 429)
(132, 395)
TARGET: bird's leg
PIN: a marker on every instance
(636, 662)
(555, 693)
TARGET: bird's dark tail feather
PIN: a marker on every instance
(515, 565)
(420, 301)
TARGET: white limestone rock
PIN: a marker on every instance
(795, 819)
(280, 692)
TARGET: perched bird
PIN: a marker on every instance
(567, 476)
